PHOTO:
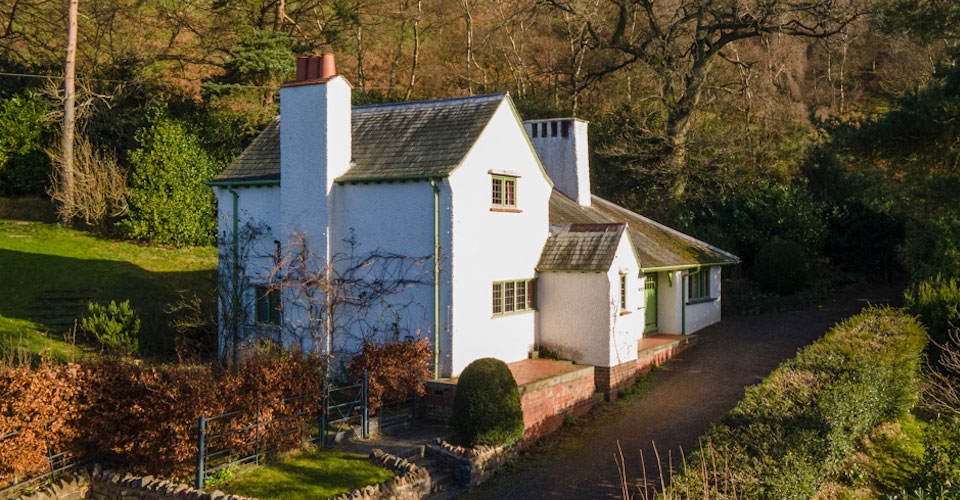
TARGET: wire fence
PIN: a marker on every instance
(60, 460)
(243, 437)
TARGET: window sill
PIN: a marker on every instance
(701, 301)
(624, 313)
(512, 313)
(506, 210)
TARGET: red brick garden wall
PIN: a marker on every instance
(546, 402)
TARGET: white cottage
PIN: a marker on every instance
(484, 223)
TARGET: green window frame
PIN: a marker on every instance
(503, 191)
(515, 296)
(267, 309)
(623, 292)
(698, 286)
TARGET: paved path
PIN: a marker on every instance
(688, 393)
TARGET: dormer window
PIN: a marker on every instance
(504, 191)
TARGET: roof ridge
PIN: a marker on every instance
(434, 102)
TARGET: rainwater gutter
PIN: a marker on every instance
(235, 277)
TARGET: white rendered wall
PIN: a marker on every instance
(258, 207)
(627, 325)
(669, 302)
(574, 316)
(704, 314)
(394, 218)
(566, 159)
(493, 246)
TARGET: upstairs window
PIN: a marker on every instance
(514, 296)
(267, 305)
(698, 286)
(623, 292)
(504, 191)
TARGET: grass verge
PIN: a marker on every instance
(48, 273)
(306, 475)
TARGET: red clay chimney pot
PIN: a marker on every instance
(327, 66)
(302, 63)
(313, 68)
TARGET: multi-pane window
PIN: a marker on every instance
(504, 191)
(514, 296)
(698, 285)
(623, 292)
(267, 305)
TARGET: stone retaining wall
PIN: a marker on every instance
(95, 483)
(410, 483)
(470, 466)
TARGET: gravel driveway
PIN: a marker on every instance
(687, 394)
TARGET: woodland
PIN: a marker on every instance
(827, 123)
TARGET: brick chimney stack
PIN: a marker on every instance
(315, 146)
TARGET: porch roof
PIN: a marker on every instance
(657, 246)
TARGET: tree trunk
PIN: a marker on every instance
(416, 52)
(69, 116)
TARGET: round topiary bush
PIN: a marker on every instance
(781, 266)
(486, 407)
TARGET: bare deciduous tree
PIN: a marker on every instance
(942, 393)
(679, 40)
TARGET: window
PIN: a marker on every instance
(504, 191)
(514, 296)
(565, 128)
(623, 292)
(534, 128)
(553, 129)
(543, 129)
(698, 286)
(267, 306)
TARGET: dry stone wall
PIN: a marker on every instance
(470, 466)
(410, 483)
(95, 483)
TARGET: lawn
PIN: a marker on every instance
(306, 475)
(48, 273)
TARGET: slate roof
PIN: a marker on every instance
(657, 246)
(580, 247)
(390, 141)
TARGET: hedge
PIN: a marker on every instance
(486, 406)
(794, 429)
(144, 415)
(936, 302)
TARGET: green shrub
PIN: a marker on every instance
(935, 301)
(115, 326)
(169, 202)
(486, 407)
(797, 427)
(781, 266)
(24, 134)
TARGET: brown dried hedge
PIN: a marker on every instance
(144, 413)
(395, 370)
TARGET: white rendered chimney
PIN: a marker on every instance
(564, 150)
(315, 146)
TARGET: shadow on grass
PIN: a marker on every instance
(50, 290)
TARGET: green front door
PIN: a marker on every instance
(650, 301)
